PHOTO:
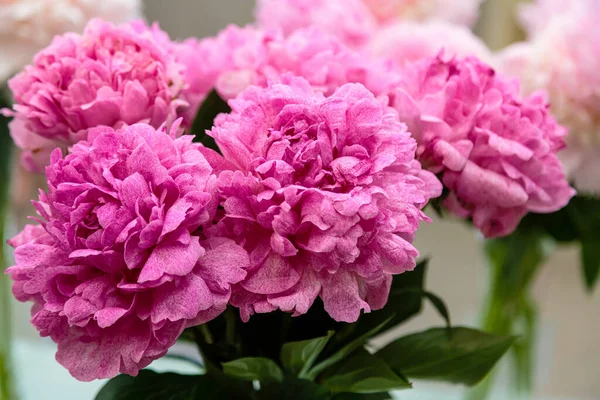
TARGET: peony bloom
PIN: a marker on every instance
(408, 41)
(495, 152)
(241, 57)
(563, 59)
(355, 21)
(29, 25)
(349, 20)
(118, 267)
(111, 75)
(539, 14)
(462, 12)
(326, 198)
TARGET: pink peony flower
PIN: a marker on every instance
(407, 42)
(118, 267)
(326, 199)
(563, 59)
(29, 25)
(350, 20)
(241, 57)
(111, 75)
(495, 151)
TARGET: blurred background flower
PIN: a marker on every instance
(29, 25)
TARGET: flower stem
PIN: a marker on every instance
(510, 310)
(6, 382)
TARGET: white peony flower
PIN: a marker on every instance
(463, 12)
(27, 26)
(563, 58)
(409, 41)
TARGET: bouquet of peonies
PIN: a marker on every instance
(257, 193)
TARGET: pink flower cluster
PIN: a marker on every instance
(326, 199)
(495, 151)
(328, 158)
(117, 269)
(111, 75)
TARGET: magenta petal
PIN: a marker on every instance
(181, 301)
(275, 276)
(172, 258)
(341, 297)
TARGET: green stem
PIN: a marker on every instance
(509, 310)
(6, 382)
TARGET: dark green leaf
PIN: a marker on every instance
(344, 352)
(212, 106)
(435, 300)
(250, 369)
(579, 222)
(299, 357)
(440, 306)
(149, 385)
(294, 389)
(590, 259)
(465, 356)
(585, 214)
(559, 225)
(364, 373)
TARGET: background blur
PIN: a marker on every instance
(568, 347)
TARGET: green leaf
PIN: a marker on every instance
(299, 357)
(465, 356)
(345, 351)
(590, 260)
(149, 385)
(212, 106)
(250, 369)
(585, 214)
(294, 389)
(364, 373)
(436, 301)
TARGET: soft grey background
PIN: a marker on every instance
(568, 349)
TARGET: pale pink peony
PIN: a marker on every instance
(350, 20)
(355, 21)
(241, 57)
(111, 75)
(563, 59)
(495, 151)
(408, 41)
(29, 25)
(462, 12)
(117, 269)
(539, 14)
(326, 199)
